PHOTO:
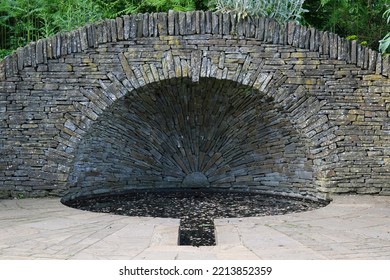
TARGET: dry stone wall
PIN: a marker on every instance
(194, 99)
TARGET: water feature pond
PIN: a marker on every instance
(196, 209)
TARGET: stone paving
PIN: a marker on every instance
(350, 227)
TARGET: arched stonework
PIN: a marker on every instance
(147, 100)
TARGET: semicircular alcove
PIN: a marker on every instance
(180, 134)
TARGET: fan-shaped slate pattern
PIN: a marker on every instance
(160, 134)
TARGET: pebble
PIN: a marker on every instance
(196, 209)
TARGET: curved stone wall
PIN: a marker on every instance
(194, 99)
(176, 133)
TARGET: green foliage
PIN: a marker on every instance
(19, 18)
(203, 4)
(111, 8)
(20, 196)
(352, 37)
(158, 6)
(281, 10)
(75, 13)
(349, 17)
(384, 44)
(4, 53)
(23, 21)
(356, 38)
(387, 14)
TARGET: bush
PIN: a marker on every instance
(281, 10)
(158, 6)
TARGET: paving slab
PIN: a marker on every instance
(350, 227)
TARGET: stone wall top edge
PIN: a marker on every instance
(132, 26)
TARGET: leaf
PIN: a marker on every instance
(324, 2)
(387, 14)
(384, 44)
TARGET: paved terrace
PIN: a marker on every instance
(351, 227)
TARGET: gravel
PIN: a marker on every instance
(195, 209)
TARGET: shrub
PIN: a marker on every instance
(281, 10)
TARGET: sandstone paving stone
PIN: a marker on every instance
(334, 237)
(305, 235)
(271, 242)
(69, 235)
(226, 234)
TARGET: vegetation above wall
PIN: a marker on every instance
(23, 21)
(360, 20)
(384, 44)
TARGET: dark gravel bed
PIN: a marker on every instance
(195, 209)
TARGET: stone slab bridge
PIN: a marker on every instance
(196, 99)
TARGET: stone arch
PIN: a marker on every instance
(330, 93)
(285, 169)
(176, 133)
